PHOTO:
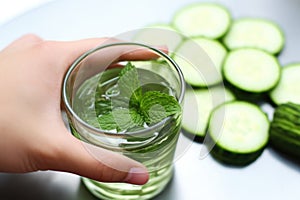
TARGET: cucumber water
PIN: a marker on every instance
(154, 147)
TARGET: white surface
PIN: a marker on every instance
(272, 176)
(10, 9)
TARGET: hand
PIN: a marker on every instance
(33, 134)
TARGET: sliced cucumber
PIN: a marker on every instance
(252, 70)
(215, 51)
(202, 19)
(239, 131)
(285, 129)
(198, 105)
(200, 60)
(256, 33)
(159, 34)
(288, 88)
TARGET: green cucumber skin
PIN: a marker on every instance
(285, 129)
(192, 136)
(243, 95)
(231, 158)
(285, 146)
(287, 121)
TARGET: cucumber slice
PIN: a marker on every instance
(159, 34)
(203, 19)
(285, 129)
(252, 70)
(256, 33)
(215, 51)
(200, 60)
(239, 131)
(203, 101)
(288, 88)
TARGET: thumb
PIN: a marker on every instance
(97, 163)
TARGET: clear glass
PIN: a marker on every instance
(94, 74)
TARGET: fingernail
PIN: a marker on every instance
(138, 176)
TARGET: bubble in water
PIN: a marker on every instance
(112, 91)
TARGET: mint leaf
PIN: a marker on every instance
(107, 122)
(156, 106)
(129, 66)
(102, 106)
(134, 106)
(129, 84)
(120, 119)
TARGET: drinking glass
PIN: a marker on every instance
(92, 78)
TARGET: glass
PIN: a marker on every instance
(94, 75)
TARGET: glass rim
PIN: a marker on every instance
(91, 51)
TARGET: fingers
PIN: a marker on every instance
(68, 51)
(96, 163)
(27, 39)
(134, 53)
(63, 53)
(103, 58)
(23, 42)
(72, 50)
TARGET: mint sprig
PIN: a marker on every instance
(129, 84)
(155, 106)
(120, 119)
(142, 109)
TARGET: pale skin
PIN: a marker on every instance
(33, 134)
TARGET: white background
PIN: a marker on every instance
(13, 8)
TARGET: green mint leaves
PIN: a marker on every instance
(129, 84)
(133, 108)
(120, 119)
(155, 106)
